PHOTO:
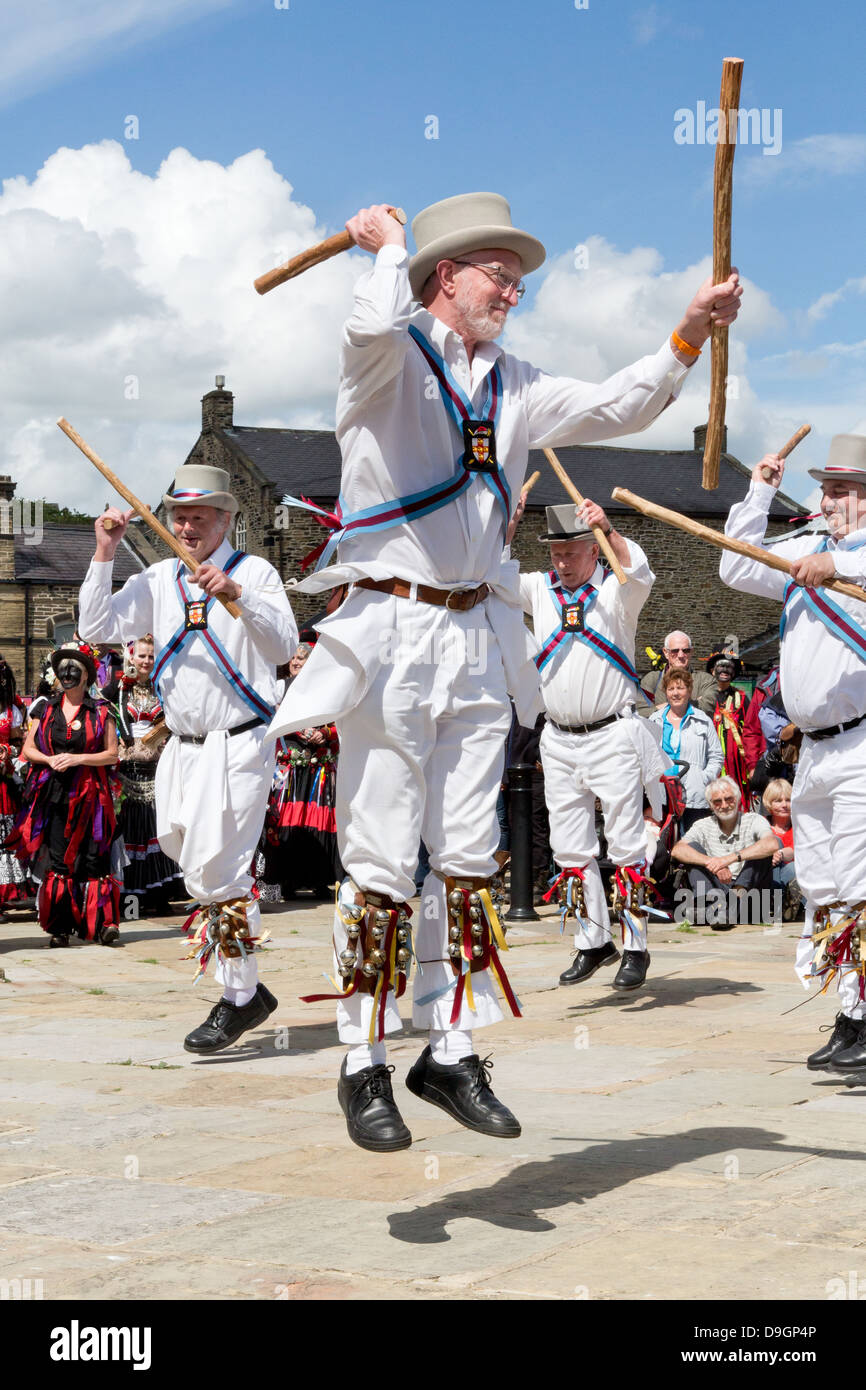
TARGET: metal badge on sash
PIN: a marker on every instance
(572, 617)
(195, 611)
(479, 441)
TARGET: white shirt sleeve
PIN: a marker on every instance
(120, 617)
(375, 336)
(747, 521)
(267, 614)
(563, 410)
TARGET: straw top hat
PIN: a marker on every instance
(469, 222)
(202, 484)
(564, 524)
(846, 461)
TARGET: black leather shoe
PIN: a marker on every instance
(107, 936)
(224, 1025)
(843, 1035)
(853, 1057)
(463, 1090)
(269, 1000)
(372, 1117)
(587, 962)
(632, 972)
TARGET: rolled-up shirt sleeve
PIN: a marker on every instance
(563, 410)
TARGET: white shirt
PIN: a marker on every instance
(195, 696)
(578, 685)
(397, 439)
(823, 681)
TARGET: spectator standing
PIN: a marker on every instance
(689, 736)
(678, 656)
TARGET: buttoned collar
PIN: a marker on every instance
(851, 541)
(449, 343)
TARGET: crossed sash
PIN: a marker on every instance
(478, 432)
(834, 618)
(195, 624)
(571, 608)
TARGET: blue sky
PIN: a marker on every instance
(570, 112)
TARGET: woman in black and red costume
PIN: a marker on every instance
(15, 885)
(67, 826)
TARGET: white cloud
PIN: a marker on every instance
(113, 282)
(831, 154)
(42, 42)
(825, 302)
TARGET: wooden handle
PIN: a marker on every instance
(601, 538)
(723, 174)
(786, 449)
(322, 252)
(705, 533)
(144, 512)
(108, 523)
(530, 483)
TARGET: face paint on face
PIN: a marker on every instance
(70, 674)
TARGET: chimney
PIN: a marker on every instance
(217, 408)
(701, 438)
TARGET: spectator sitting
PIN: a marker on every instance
(678, 655)
(777, 804)
(688, 734)
(730, 850)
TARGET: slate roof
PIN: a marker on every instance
(63, 555)
(308, 462)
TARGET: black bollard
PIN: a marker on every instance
(520, 819)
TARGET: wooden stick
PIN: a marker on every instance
(705, 533)
(314, 256)
(723, 174)
(786, 449)
(144, 512)
(530, 483)
(603, 542)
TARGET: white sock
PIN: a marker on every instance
(238, 997)
(364, 1055)
(450, 1046)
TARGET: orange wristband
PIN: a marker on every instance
(683, 346)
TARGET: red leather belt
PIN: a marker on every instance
(457, 600)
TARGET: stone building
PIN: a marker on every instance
(265, 464)
(41, 570)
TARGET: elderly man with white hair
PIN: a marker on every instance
(678, 655)
(216, 676)
(730, 850)
(823, 679)
(434, 421)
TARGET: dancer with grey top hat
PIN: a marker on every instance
(434, 421)
(593, 744)
(823, 677)
(216, 676)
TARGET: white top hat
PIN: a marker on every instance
(198, 484)
(468, 222)
(846, 461)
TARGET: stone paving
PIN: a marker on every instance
(674, 1145)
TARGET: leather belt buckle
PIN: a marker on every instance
(456, 600)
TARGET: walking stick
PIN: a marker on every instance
(314, 256)
(601, 538)
(144, 512)
(723, 174)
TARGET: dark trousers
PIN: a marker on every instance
(755, 874)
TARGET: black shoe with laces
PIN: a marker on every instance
(632, 972)
(587, 962)
(225, 1023)
(852, 1057)
(844, 1033)
(372, 1117)
(269, 1000)
(463, 1090)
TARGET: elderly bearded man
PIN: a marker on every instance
(678, 655)
(592, 744)
(823, 676)
(434, 421)
(216, 676)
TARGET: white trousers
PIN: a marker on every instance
(577, 769)
(829, 820)
(210, 807)
(422, 756)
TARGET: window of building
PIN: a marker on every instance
(241, 532)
